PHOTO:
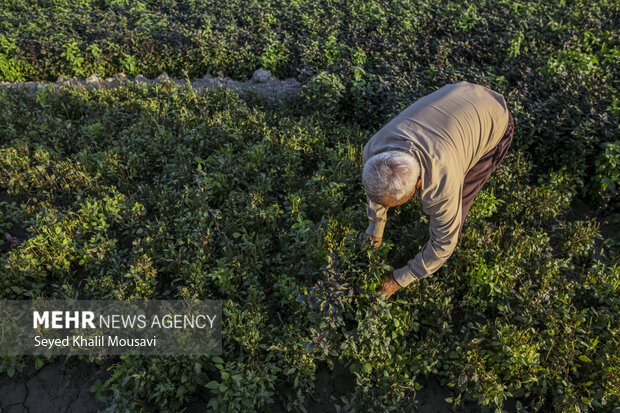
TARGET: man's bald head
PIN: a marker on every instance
(390, 176)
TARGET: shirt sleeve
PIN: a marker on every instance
(444, 224)
(377, 216)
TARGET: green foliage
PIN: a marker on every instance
(607, 182)
(360, 61)
(163, 192)
(160, 383)
(323, 93)
(11, 68)
(73, 58)
(241, 388)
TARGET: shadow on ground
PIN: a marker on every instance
(61, 386)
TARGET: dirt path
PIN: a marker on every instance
(262, 81)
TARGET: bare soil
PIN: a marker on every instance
(62, 386)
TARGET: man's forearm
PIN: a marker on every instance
(433, 255)
(377, 217)
(444, 224)
(375, 229)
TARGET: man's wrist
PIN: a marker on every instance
(375, 229)
(403, 276)
(391, 278)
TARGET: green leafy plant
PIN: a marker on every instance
(608, 171)
(72, 56)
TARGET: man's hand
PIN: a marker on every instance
(389, 286)
(375, 241)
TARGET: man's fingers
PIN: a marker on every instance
(387, 289)
(375, 241)
(385, 294)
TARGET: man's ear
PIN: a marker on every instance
(419, 183)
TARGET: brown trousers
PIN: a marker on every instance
(480, 172)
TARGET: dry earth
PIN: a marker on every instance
(62, 386)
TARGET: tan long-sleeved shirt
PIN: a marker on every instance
(448, 131)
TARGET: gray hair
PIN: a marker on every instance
(390, 175)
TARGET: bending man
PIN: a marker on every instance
(442, 148)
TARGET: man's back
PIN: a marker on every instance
(459, 122)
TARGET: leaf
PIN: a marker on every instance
(212, 384)
(584, 358)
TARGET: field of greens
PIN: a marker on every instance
(162, 192)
